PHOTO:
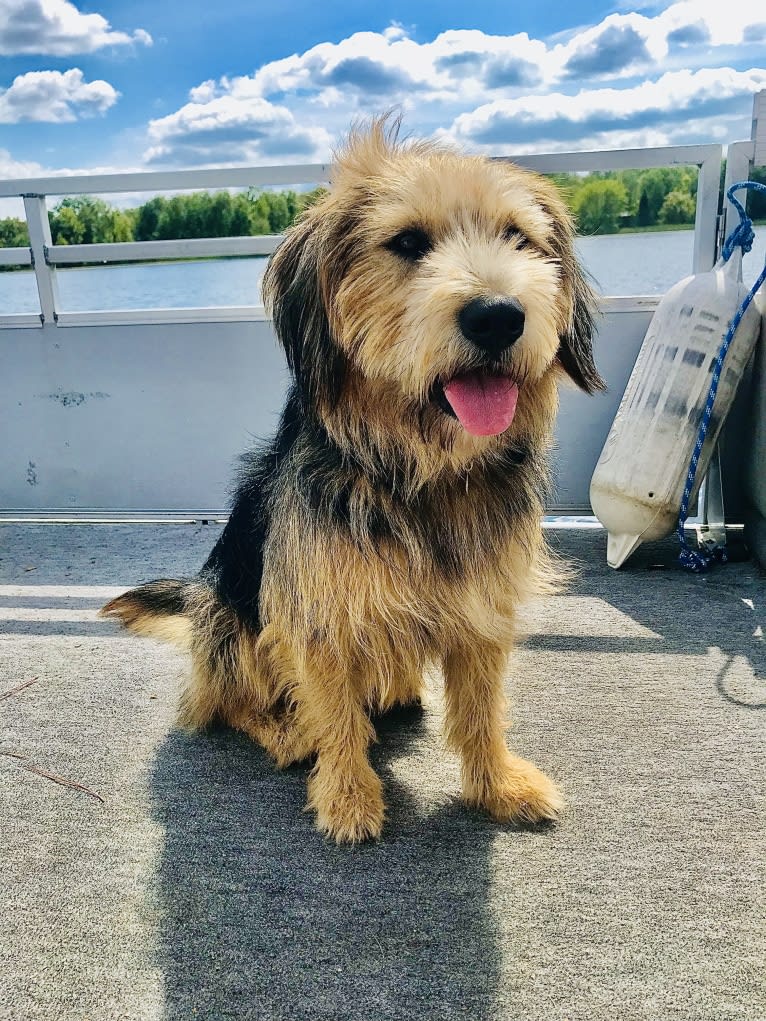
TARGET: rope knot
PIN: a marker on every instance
(742, 237)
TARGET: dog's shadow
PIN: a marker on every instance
(260, 917)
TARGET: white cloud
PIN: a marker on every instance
(55, 97)
(12, 169)
(57, 28)
(369, 65)
(233, 127)
(631, 79)
(611, 117)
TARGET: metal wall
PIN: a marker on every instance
(151, 418)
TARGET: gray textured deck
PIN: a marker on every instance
(199, 889)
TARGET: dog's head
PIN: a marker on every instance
(441, 288)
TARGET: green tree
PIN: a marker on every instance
(87, 220)
(643, 215)
(657, 184)
(599, 205)
(678, 207)
(122, 226)
(756, 200)
(171, 223)
(148, 219)
(218, 215)
(66, 226)
(259, 212)
(94, 216)
(240, 224)
(13, 233)
(279, 213)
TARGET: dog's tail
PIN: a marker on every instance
(155, 610)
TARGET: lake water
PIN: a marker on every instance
(646, 263)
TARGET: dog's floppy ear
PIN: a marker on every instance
(576, 343)
(575, 354)
(295, 292)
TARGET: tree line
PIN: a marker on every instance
(84, 220)
(604, 202)
(607, 202)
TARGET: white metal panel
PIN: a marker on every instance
(134, 417)
(147, 419)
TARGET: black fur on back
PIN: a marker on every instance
(234, 568)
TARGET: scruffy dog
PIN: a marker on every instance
(428, 306)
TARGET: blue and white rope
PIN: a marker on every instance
(741, 237)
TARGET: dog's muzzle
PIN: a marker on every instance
(492, 324)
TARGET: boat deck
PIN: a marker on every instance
(197, 888)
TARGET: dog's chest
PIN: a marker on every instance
(420, 603)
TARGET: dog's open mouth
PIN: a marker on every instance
(484, 403)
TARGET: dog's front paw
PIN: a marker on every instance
(349, 809)
(519, 793)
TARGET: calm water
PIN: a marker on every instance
(621, 264)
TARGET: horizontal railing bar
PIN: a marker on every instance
(20, 320)
(552, 519)
(617, 159)
(135, 251)
(150, 316)
(167, 180)
(15, 257)
(319, 173)
(242, 313)
(629, 303)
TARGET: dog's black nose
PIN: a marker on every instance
(492, 324)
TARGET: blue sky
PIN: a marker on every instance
(143, 84)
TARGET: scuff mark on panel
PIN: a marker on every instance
(73, 399)
(32, 474)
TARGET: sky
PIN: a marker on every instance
(142, 84)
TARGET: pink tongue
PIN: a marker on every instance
(485, 405)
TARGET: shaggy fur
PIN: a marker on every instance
(375, 535)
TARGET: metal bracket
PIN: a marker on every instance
(713, 516)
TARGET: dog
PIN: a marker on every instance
(428, 306)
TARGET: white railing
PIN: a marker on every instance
(44, 256)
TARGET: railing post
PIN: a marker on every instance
(739, 160)
(705, 224)
(40, 241)
(723, 478)
(759, 128)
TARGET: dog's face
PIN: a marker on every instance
(444, 286)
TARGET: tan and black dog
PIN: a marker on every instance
(428, 306)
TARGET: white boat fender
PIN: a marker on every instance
(676, 402)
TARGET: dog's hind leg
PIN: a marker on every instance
(344, 790)
(277, 731)
(508, 787)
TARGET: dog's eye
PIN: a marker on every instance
(512, 233)
(410, 244)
